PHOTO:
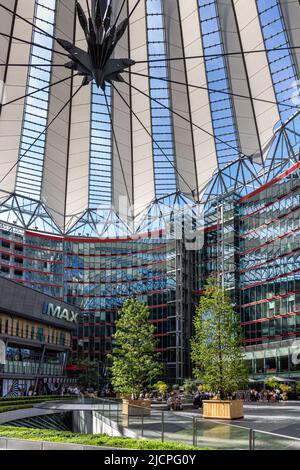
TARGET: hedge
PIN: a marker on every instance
(5, 409)
(23, 402)
(37, 397)
(89, 439)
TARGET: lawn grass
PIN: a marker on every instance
(89, 439)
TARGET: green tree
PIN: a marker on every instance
(88, 376)
(134, 361)
(216, 346)
(271, 383)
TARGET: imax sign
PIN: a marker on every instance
(57, 311)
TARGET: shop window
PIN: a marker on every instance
(271, 364)
(40, 334)
(18, 273)
(32, 333)
(284, 364)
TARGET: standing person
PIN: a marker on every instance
(197, 400)
(170, 402)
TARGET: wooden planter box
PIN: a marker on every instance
(136, 407)
(223, 409)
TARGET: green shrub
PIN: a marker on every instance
(23, 402)
(35, 397)
(271, 383)
(88, 439)
(161, 387)
(5, 409)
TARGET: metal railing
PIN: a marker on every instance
(33, 368)
(166, 426)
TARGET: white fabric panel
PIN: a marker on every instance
(11, 117)
(122, 175)
(77, 198)
(244, 109)
(6, 20)
(205, 150)
(260, 79)
(183, 131)
(56, 152)
(291, 15)
(144, 188)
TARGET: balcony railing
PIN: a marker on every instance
(33, 368)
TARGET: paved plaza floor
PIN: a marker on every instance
(281, 418)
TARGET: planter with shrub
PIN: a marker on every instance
(216, 352)
(134, 361)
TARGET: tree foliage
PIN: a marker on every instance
(189, 386)
(271, 383)
(161, 387)
(134, 361)
(88, 376)
(216, 346)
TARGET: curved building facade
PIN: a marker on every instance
(98, 276)
(193, 111)
(124, 118)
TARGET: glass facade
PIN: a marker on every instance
(253, 245)
(269, 274)
(100, 275)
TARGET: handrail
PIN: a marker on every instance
(277, 435)
(114, 412)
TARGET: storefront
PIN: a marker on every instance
(35, 338)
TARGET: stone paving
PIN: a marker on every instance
(280, 418)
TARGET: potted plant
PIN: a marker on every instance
(297, 389)
(216, 352)
(189, 386)
(271, 384)
(134, 361)
(285, 390)
(161, 388)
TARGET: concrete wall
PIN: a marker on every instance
(91, 422)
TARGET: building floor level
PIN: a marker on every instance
(36, 338)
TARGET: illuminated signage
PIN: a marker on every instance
(57, 311)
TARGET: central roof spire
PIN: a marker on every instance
(102, 37)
